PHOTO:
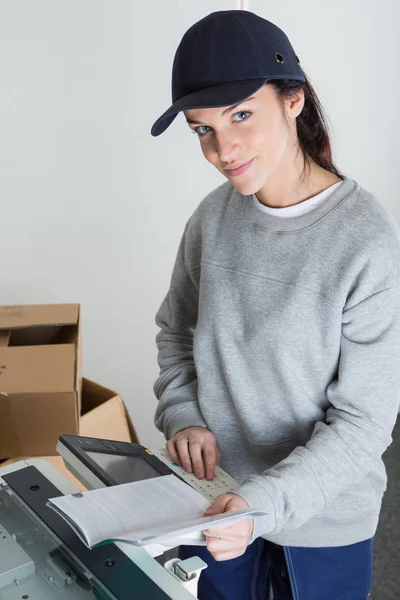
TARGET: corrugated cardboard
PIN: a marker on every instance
(40, 377)
(103, 415)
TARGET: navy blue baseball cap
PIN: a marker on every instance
(223, 59)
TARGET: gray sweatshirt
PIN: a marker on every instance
(282, 337)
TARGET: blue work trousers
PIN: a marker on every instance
(293, 573)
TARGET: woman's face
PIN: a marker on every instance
(253, 130)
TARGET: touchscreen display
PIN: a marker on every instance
(124, 469)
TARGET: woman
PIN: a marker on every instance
(279, 348)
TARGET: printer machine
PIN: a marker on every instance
(41, 558)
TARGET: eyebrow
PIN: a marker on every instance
(191, 121)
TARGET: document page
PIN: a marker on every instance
(140, 512)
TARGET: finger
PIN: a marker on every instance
(215, 544)
(209, 456)
(219, 505)
(182, 446)
(197, 459)
(172, 453)
(217, 454)
(234, 533)
(221, 546)
(219, 556)
(221, 531)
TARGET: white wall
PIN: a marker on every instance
(93, 207)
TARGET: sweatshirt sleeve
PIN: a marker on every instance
(364, 402)
(176, 385)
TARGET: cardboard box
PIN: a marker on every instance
(103, 415)
(40, 377)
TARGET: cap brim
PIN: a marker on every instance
(223, 94)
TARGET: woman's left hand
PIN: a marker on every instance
(228, 541)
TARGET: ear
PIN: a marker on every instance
(294, 104)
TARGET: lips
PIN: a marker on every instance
(238, 165)
(243, 168)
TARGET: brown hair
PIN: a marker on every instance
(312, 129)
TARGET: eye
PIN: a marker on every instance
(242, 112)
(196, 130)
(201, 134)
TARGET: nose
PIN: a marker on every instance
(227, 146)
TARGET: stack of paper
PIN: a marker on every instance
(142, 512)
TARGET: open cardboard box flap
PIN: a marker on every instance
(104, 414)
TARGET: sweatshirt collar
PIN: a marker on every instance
(272, 223)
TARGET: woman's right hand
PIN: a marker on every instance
(196, 450)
